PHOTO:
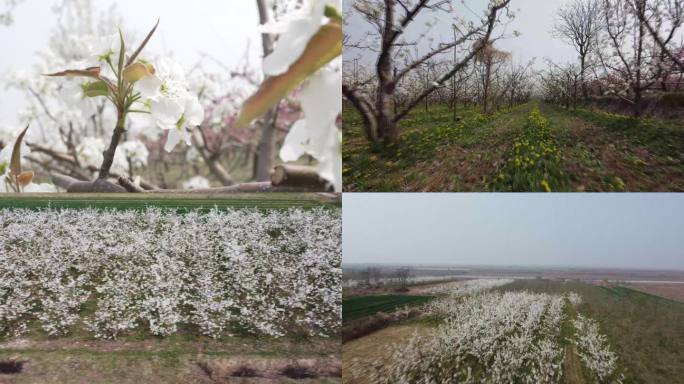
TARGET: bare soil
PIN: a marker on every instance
(234, 360)
(667, 290)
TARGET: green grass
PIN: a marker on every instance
(362, 306)
(368, 166)
(646, 331)
(660, 136)
(578, 150)
(174, 201)
(534, 161)
(153, 361)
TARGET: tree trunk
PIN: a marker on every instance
(485, 95)
(583, 68)
(211, 160)
(266, 147)
(387, 129)
(108, 155)
(636, 109)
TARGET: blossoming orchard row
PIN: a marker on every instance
(466, 287)
(115, 272)
(499, 337)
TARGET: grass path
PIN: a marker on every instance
(434, 153)
(514, 150)
(617, 155)
(171, 360)
(572, 366)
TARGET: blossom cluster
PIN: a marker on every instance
(466, 287)
(385, 281)
(317, 134)
(594, 351)
(488, 337)
(162, 271)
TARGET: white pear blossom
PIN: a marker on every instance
(317, 134)
(90, 150)
(295, 30)
(496, 337)
(171, 105)
(196, 182)
(102, 47)
(73, 95)
(135, 152)
(154, 271)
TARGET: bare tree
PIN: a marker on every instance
(662, 18)
(403, 275)
(559, 84)
(578, 24)
(632, 55)
(6, 14)
(390, 18)
(489, 57)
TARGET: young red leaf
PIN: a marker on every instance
(15, 162)
(25, 178)
(93, 72)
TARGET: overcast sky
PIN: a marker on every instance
(534, 19)
(574, 230)
(222, 28)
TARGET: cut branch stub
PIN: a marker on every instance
(292, 175)
(324, 46)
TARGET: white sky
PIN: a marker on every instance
(642, 231)
(221, 28)
(534, 19)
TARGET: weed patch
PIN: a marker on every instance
(534, 161)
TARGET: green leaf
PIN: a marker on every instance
(95, 88)
(122, 53)
(15, 162)
(332, 12)
(324, 46)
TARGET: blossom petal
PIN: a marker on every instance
(330, 164)
(294, 146)
(167, 112)
(194, 112)
(172, 140)
(293, 41)
(322, 101)
(148, 86)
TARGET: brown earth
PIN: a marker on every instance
(666, 290)
(157, 361)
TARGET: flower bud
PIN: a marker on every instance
(25, 178)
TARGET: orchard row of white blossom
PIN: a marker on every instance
(115, 272)
(594, 351)
(384, 281)
(466, 287)
(495, 337)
